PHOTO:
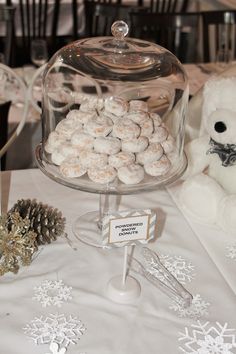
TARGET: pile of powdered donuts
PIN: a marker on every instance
(111, 139)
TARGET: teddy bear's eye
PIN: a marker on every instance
(220, 127)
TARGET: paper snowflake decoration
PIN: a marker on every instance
(52, 292)
(231, 251)
(197, 309)
(181, 269)
(207, 339)
(55, 328)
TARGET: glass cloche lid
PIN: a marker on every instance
(113, 115)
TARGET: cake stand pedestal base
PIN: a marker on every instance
(123, 293)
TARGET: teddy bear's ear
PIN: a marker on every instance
(219, 93)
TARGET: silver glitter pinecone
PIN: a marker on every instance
(45, 221)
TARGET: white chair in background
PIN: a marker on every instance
(13, 94)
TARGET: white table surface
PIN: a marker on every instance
(196, 253)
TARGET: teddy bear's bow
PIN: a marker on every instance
(226, 152)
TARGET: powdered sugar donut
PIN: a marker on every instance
(126, 129)
(159, 135)
(135, 145)
(57, 157)
(159, 167)
(110, 116)
(138, 117)
(152, 153)
(80, 116)
(138, 105)
(101, 126)
(91, 104)
(92, 159)
(74, 114)
(131, 174)
(102, 175)
(66, 127)
(168, 145)
(82, 140)
(54, 141)
(107, 145)
(116, 105)
(63, 151)
(157, 121)
(121, 159)
(147, 127)
(67, 149)
(71, 167)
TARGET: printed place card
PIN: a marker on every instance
(129, 227)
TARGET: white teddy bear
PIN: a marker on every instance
(209, 192)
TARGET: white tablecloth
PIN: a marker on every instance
(199, 256)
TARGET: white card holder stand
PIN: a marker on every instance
(123, 289)
(125, 229)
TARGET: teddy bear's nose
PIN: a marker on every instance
(220, 127)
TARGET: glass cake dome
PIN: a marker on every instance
(113, 115)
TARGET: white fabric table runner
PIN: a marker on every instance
(148, 325)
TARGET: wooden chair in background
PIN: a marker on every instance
(12, 91)
(4, 111)
(100, 16)
(88, 12)
(7, 14)
(35, 24)
(167, 5)
(178, 32)
(219, 34)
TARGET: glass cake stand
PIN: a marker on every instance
(131, 70)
